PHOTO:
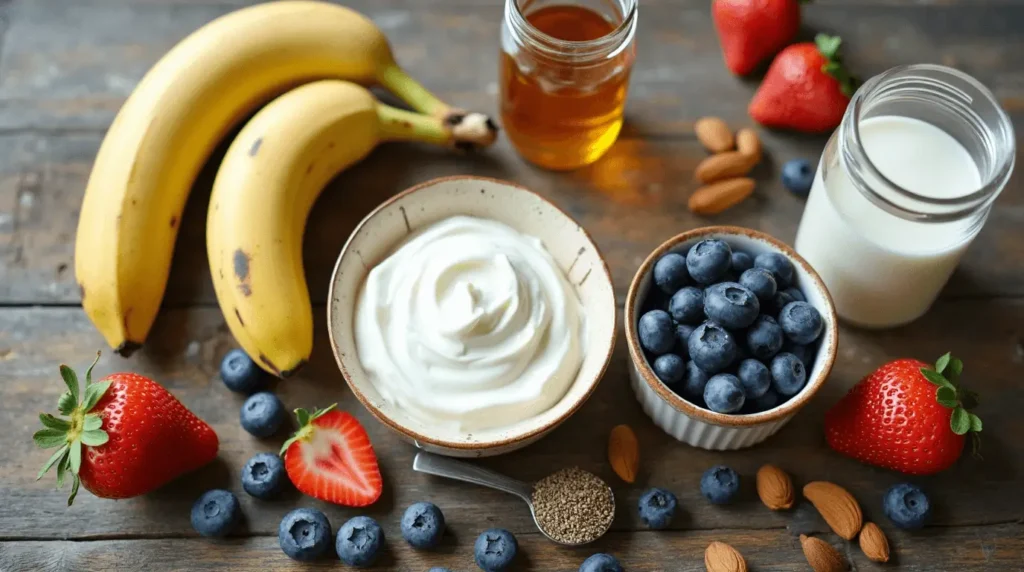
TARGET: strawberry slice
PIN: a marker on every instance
(330, 458)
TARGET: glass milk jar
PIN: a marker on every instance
(903, 187)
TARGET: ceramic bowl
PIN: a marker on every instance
(385, 228)
(695, 425)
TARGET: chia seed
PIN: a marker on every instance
(573, 506)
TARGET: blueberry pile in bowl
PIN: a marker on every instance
(728, 330)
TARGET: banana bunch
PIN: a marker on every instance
(301, 56)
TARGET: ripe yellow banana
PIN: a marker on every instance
(175, 117)
(270, 177)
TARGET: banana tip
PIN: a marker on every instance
(472, 130)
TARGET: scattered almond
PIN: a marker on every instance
(723, 166)
(714, 134)
(748, 143)
(720, 557)
(837, 506)
(821, 555)
(717, 197)
(775, 488)
(624, 452)
(873, 543)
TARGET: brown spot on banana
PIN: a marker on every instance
(270, 365)
(241, 262)
(174, 221)
(288, 372)
(239, 316)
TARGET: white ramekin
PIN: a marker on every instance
(695, 425)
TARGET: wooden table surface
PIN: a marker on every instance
(66, 67)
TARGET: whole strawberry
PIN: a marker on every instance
(905, 416)
(330, 458)
(807, 88)
(751, 31)
(126, 436)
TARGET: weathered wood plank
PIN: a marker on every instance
(186, 346)
(986, 548)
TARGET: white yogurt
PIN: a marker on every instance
(470, 325)
(883, 270)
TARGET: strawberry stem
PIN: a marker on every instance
(305, 419)
(829, 46)
(81, 429)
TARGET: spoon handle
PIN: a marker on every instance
(462, 471)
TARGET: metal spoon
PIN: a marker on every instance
(462, 471)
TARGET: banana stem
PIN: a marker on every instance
(395, 80)
(467, 131)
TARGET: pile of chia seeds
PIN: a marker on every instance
(573, 506)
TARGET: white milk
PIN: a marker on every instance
(883, 270)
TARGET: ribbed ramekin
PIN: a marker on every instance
(695, 425)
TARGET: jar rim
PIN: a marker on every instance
(992, 182)
(597, 46)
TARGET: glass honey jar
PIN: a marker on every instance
(565, 68)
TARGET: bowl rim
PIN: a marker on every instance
(636, 353)
(509, 441)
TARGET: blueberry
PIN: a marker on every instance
(216, 513)
(657, 507)
(712, 348)
(764, 337)
(801, 322)
(797, 176)
(656, 332)
(796, 294)
(778, 265)
(670, 273)
(262, 414)
(788, 374)
(693, 383)
(754, 377)
(263, 476)
(495, 549)
(241, 374)
(907, 506)
(601, 563)
(687, 306)
(683, 333)
(359, 541)
(761, 282)
(423, 525)
(767, 401)
(724, 393)
(669, 368)
(708, 260)
(731, 304)
(719, 484)
(304, 534)
(782, 299)
(741, 262)
(804, 353)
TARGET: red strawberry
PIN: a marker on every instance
(905, 416)
(752, 31)
(127, 436)
(807, 88)
(330, 458)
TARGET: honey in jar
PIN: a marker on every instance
(564, 75)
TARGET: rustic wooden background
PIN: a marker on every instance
(67, 65)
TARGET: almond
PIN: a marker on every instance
(714, 134)
(748, 143)
(717, 197)
(624, 452)
(775, 488)
(723, 166)
(837, 506)
(720, 557)
(873, 543)
(821, 555)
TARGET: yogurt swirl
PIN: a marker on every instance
(471, 325)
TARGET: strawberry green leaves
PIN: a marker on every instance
(829, 46)
(305, 418)
(950, 394)
(81, 429)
